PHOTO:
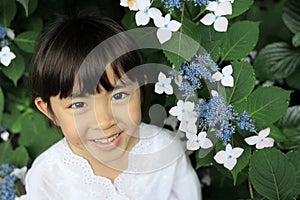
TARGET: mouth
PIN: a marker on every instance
(107, 140)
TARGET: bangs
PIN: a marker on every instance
(77, 52)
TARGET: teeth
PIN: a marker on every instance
(107, 140)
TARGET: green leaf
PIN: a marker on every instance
(240, 39)
(26, 41)
(239, 7)
(293, 79)
(296, 40)
(292, 138)
(25, 5)
(244, 82)
(291, 15)
(266, 104)
(8, 10)
(272, 175)
(36, 134)
(277, 61)
(1, 104)
(179, 44)
(291, 118)
(211, 41)
(15, 70)
(294, 157)
(18, 157)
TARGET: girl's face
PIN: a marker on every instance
(102, 127)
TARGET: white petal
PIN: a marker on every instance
(174, 25)
(212, 6)
(230, 163)
(142, 4)
(191, 127)
(191, 136)
(5, 49)
(124, 3)
(141, 18)
(252, 140)
(188, 106)
(206, 143)
(214, 93)
(175, 111)
(221, 24)
(5, 135)
(217, 76)
(208, 19)
(168, 89)
(227, 70)
(10, 33)
(202, 135)
(221, 157)
(154, 13)
(159, 89)
(161, 77)
(267, 142)
(158, 21)
(163, 35)
(227, 81)
(224, 8)
(192, 145)
(237, 152)
(167, 18)
(228, 148)
(264, 133)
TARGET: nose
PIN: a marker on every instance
(104, 115)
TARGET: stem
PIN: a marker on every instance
(197, 16)
(250, 189)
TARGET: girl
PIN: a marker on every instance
(106, 152)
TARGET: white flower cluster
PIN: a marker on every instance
(144, 13)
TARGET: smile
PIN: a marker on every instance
(107, 140)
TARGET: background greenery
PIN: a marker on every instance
(269, 27)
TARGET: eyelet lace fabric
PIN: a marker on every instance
(152, 170)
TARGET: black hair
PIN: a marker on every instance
(63, 56)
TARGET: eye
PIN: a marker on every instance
(77, 105)
(119, 96)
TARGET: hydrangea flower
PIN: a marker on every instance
(170, 4)
(181, 108)
(225, 77)
(142, 17)
(165, 27)
(5, 135)
(196, 141)
(6, 56)
(163, 84)
(261, 140)
(228, 157)
(188, 122)
(7, 182)
(216, 17)
(20, 173)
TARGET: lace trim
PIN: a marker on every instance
(125, 185)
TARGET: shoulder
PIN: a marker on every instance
(46, 161)
(158, 148)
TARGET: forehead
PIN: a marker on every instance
(115, 78)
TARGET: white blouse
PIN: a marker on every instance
(158, 169)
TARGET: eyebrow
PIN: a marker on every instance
(123, 84)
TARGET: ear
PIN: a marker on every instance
(43, 107)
